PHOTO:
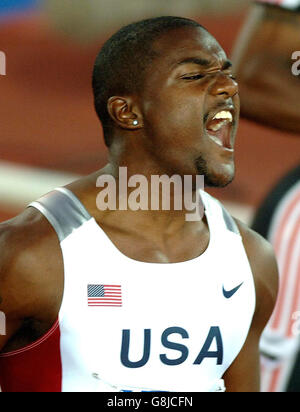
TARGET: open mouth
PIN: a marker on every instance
(219, 128)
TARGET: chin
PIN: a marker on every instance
(217, 181)
(216, 177)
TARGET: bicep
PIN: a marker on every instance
(244, 373)
(12, 296)
(262, 59)
(274, 28)
(9, 319)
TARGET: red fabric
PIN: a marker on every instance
(36, 368)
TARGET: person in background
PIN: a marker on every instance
(267, 65)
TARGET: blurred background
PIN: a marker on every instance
(49, 131)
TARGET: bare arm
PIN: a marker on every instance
(262, 59)
(31, 279)
(10, 302)
(244, 374)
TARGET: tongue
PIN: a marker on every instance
(223, 134)
(214, 123)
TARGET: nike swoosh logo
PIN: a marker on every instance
(229, 293)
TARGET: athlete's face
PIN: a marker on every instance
(190, 106)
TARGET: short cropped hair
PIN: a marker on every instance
(120, 66)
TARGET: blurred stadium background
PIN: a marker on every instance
(49, 132)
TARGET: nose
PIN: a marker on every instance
(224, 85)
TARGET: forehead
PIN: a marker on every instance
(185, 42)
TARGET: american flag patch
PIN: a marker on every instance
(104, 295)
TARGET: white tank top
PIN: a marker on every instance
(127, 325)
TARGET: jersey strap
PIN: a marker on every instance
(63, 210)
(230, 222)
(219, 218)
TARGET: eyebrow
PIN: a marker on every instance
(195, 60)
(227, 65)
(203, 62)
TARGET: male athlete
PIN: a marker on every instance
(269, 80)
(124, 300)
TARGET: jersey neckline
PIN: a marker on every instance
(113, 247)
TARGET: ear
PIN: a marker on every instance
(124, 112)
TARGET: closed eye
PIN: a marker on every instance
(193, 77)
(201, 76)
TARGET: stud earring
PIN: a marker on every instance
(135, 122)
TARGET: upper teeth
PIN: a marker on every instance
(225, 114)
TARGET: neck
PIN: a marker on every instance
(135, 187)
(159, 200)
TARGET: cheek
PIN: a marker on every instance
(176, 120)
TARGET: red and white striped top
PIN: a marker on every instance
(280, 338)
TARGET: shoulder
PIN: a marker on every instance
(265, 272)
(28, 245)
